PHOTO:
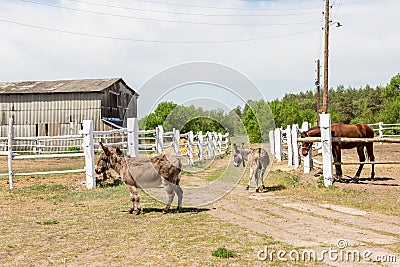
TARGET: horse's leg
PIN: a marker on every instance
(371, 157)
(169, 188)
(179, 192)
(361, 156)
(134, 195)
(337, 157)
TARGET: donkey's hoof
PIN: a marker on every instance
(355, 179)
(165, 211)
(138, 211)
(257, 190)
(247, 187)
(178, 209)
(130, 211)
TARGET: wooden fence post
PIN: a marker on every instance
(289, 145)
(10, 153)
(380, 125)
(219, 142)
(175, 141)
(326, 140)
(272, 142)
(190, 147)
(278, 144)
(88, 149)
(295, 146)
(209, 144)
(200, 145)
(307, 159)
(133, 137)
(159, 139)
(227, 143)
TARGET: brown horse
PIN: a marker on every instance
(345, 130)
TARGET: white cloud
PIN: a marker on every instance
(363, 51)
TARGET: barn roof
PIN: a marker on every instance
(61, 86)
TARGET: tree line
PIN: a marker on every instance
(257, 117)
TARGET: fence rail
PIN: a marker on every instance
(133, 140)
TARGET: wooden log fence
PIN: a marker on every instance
(208, 146)
(324, 144)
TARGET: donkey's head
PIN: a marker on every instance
(237, 156)
(305, 146)
(107, 158)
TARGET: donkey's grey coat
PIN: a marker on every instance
(144, 173)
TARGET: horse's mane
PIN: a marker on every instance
(314, 128)
(314, 131)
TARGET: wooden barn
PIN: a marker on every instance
(50, 108)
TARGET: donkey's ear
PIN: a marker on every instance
(105, 149)
(119, 152)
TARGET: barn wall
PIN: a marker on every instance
(49, 114)
(116, 102)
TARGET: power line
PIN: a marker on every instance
(157, 41)
(163, 20)
(191, 14)
(214, 7)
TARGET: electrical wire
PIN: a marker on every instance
(214, 7)
(187, 13)
(157, 41)
(163, 20)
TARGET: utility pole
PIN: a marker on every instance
(326, 55)
(317, 83)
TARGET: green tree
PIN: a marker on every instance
(392, 90)
(390, 112)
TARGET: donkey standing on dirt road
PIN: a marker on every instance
(258, 161)
(143, 173)
(240, 155)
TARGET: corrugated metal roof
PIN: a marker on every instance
(62, 86)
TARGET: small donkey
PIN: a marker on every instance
(258, 161)
(143, 173)
(240, 155)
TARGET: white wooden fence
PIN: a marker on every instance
(133, 140)
(289, 139)
(383, 129)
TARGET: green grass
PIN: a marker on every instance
(223, 253)
(48, 222)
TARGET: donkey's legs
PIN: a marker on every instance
(256, 178)
(262, 173)
(250, 177)
(370, 152)
(179, 192)
(169, 188)
(135, 200)
(361, 156)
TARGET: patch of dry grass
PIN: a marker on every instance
(53, 220)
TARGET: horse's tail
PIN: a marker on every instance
(370, 151)
(369, 146)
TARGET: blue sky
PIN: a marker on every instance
(42, 42)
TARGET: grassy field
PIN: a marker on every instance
(53, 220)
(60, 224)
